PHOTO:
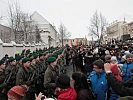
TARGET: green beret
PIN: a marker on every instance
(51, 59)
(41, 54)
(30, 55)
(1, 62)
(25, 60)
(35, 55)
(58, 52)
(18, 58)
(54, 55)
(11, 59)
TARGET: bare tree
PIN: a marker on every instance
(1, 17)
(19, 22)
(97, 25)
(37, 32)
(63, 33)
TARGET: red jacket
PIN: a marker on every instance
(115, 72)
(68, 94)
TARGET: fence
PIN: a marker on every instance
(12, 47)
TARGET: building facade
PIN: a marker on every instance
(47, 31)
(128, 29)
(75, 42)
(5, 34)
(115, 31)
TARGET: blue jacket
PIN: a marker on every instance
(98, 84)
(113, 95)
(118, 60)
(126, 71)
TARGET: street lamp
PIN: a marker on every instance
(49, 42)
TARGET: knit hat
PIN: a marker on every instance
(17, 92)
(11, 59)
(1, 62)
(129, 55)
(113, 58)
(63, 81)
(25, 60)
(51, 59)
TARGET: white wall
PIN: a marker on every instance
(10, 48)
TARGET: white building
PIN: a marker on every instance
(115, 31)
(128, 29)
(47, 30)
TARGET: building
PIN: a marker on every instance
(75, 42)
(128, 30)
(115, 31)
(5, 34)
(47, 31)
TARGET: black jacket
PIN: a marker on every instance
(123, 89)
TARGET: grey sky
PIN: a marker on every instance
(75, 14)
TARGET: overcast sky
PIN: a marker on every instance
(75, 14)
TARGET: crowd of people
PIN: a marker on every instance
(103, 72)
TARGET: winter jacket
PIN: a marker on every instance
(126, 71)
(115, 72)
(98, 84)
(119, 87)
(68, 94)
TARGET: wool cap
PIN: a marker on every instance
(128, 55)
(18, 92)
(113, 58)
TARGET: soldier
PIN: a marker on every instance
(50, 75)
(11, 66)
(67, 53)
(2, 78)
(32, 64)
(2, 69)
(23, 72)
(19, 61)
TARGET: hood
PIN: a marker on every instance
(68, 94)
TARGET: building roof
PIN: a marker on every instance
(4, 26)
(39, 19)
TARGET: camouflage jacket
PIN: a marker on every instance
(22, 76)
(50, 77)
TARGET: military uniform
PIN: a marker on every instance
(3, 96)
(22, 76)
(50, 77)
(18, 65)
(9, 68)
(2, 78)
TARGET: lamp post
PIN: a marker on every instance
(49, 42)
